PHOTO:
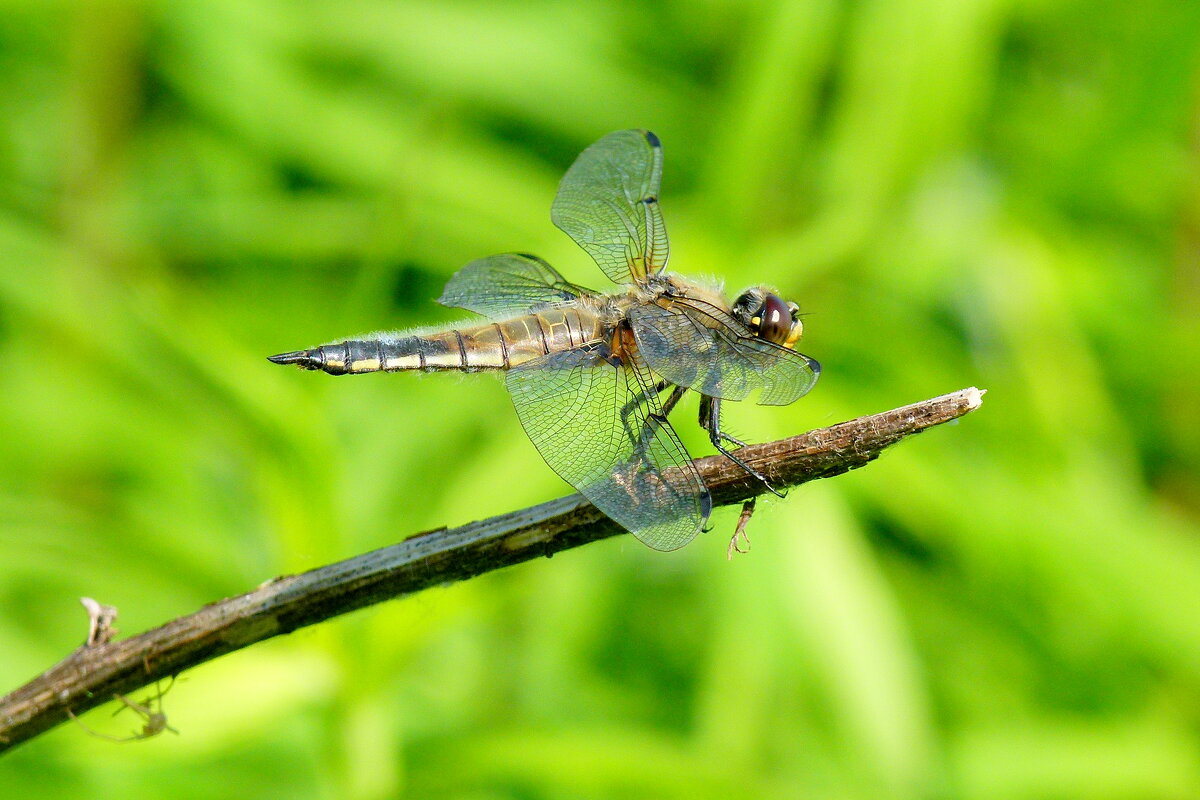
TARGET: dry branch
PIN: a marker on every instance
(96, 673)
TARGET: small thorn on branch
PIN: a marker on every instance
(100, 622)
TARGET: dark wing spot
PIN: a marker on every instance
(652, 139)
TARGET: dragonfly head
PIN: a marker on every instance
(768, 316)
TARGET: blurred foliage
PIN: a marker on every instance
(964, 192)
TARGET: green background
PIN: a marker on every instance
(966, 192)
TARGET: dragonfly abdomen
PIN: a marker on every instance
(493, 346)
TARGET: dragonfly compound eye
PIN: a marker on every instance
(776, 320)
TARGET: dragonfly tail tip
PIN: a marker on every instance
(294, 357)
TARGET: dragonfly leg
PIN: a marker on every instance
(638, 400)
(672, 399)
(653, 421)
(731, 439)
(739, 533)
(710, 420)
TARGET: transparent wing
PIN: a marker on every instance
(600, 426)
(507, 285)
(698, 345)
(608, 203)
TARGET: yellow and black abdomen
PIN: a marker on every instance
(493, 346)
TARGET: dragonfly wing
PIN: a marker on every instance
(698, 345)
(600, 426)
(608, 203)
(507, 285)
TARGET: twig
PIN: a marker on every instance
(100, 622)
(95, 673)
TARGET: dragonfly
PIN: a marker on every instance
(593, 376)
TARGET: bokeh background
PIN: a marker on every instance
(965, 192)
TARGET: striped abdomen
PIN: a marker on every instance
(495, 345)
